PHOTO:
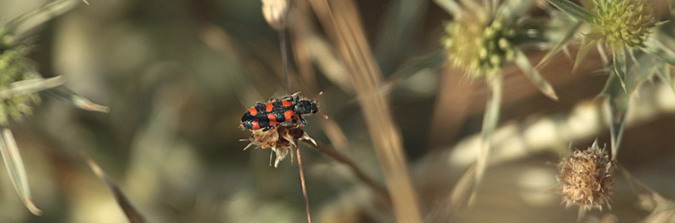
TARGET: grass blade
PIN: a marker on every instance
(572, 9)
(535, 77)
(658, 49)
(490, 121)
(129, 210)
(560, 45)
(342, 21)
(17, 172)
(76, 100)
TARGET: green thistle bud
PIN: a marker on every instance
(622, 23)
(14, 66)
(479, 45)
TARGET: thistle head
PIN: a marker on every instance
(622, 24)
(479, 45)
(14, 66)
(586, 178)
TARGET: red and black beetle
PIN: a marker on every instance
(284, 111)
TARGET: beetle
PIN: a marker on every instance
(285, 111)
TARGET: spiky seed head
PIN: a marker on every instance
(586, 178)
(275, 13)
(14, 66)
(280, 139)
(622, 24)
(478, 44)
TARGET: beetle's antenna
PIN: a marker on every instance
(322, 114)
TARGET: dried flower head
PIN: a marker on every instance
(280, 139)
(276, 13)
(14, 67)
(586, 178)
(622, 24)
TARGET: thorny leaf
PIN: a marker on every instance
(572, 9)
(31, 86)
(619, 92)
(490, 121)
(620, 67)
(560, 44)
(531, 73)
(16, 170)
(76, 100)
(658, 49)
(586, 45)
(129, 210)
(24, 23)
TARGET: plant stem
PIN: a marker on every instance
(304, 187)
(376, 187)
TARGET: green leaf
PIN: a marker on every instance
(17, 172)
(658, 49)
(76, 100)
(129, 210)
(574, 10)
(523, 62)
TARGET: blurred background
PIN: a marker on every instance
(178, 76)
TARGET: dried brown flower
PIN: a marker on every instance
(280, 139)
(586, 178)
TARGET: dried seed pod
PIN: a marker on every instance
(280, 139)
(586, 178)
(275, 13)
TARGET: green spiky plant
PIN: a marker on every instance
(20, 84)
(626, 29)
(481, 40)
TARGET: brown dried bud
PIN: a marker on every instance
(275, 13)
(586, 178)
(280, 139)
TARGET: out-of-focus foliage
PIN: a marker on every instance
(178, 75)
